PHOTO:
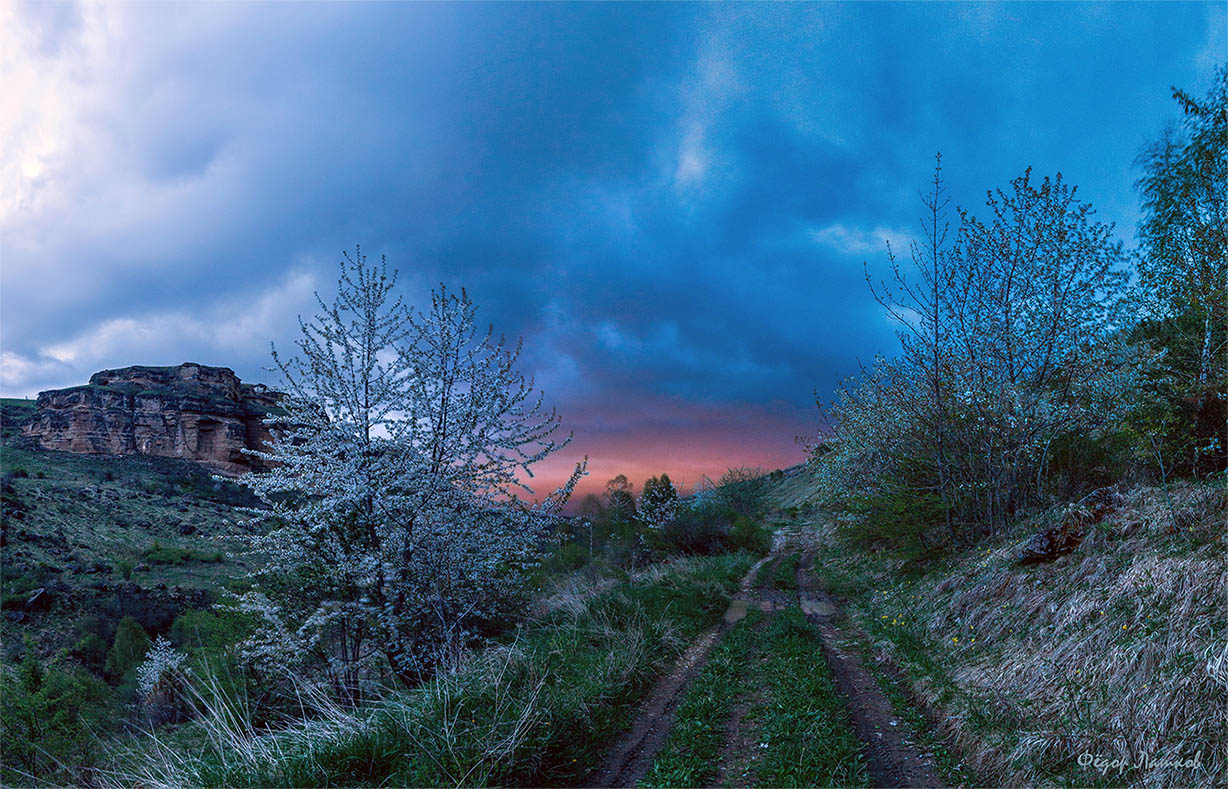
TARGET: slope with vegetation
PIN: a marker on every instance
(363, 618)
(96, 554)
(1026, 510)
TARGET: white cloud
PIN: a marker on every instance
(862, 241)
(17, 371)
(1214, 51)
(231, 332)
(704, 99)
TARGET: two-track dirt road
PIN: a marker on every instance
(891, 755)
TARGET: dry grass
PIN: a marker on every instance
(1118, 650)
(572, 593)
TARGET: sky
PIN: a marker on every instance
(672, 204)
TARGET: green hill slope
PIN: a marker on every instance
(105, 537)
(1117, 652)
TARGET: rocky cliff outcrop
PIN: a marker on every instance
(191, 411)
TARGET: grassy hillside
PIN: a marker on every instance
(539, 707)
(105, 537)
(1118, 650)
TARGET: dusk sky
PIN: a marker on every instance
(670, 203)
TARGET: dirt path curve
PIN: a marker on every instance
(893, 759)
(632, 756)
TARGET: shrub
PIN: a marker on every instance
(211, 629)
(159, 554)
(131, 644)
(1078, 462)
(743, 490)
(45, 721)
(698, 528)
(566, 558)
(750, 536)
(91, 650)
(624, 543)
(903, 519)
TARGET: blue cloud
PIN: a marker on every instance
(671, 203)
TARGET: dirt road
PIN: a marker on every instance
(891, 755)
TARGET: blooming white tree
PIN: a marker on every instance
(160, 661)
(658, 502)
(395, 483)
(1013, 339)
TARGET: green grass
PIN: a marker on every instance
(691, 755)
(780, 574)
(174, 554)
(804, 724)
(540, 709)
(783, 574)
(804, 734)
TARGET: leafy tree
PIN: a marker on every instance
(1034, 321)
(658, 501)
(394, 485)
(592, 508)
(620, 501)
(1013, 338)
(750, 536)
(1183, 272)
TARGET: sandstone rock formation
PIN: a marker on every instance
(191, 411)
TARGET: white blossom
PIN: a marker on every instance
(161, 659)
(395, 486)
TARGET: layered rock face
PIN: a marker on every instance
(191, 411)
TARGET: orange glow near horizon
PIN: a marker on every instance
(686, 454)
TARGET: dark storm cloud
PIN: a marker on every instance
(671, 203)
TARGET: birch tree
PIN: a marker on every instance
(395, 484)
(1183, 268)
